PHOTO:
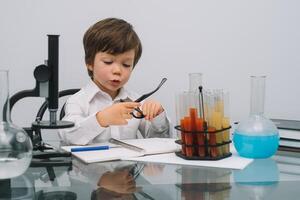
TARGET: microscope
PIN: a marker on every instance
(47, 84)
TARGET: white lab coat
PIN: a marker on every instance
(81, 108)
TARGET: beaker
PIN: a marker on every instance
(257, 136)
(15, 145)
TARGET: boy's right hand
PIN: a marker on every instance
(120, 182)
(116, 114)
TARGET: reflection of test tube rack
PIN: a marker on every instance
(210, 183)
(204, 124)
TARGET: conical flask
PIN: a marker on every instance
(257, 136)
(15, 145)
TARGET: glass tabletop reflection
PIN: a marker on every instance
(274, 178)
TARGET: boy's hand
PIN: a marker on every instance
(153, 169)
(119, 182)
(116, 114)
(151, 108)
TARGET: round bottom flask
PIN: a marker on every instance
(15, 145)
(257, 136)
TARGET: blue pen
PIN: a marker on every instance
(78, 149)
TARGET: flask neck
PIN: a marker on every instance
(4, 97)
(257, 95)
(195, 80)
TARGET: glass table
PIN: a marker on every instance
(274, 178)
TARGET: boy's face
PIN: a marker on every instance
(111, 72)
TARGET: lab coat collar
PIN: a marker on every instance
(92, 90)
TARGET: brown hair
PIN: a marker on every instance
(112, 36)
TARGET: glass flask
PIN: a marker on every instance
(15, 145)
(195, 80)
(257, 136)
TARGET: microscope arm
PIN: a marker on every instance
(22, 94)
(18, 96)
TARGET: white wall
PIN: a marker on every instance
(226, 40)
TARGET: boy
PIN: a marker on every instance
(112, 49)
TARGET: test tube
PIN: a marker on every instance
(226, 122)
(212, 139)
(206, 119)
(191, 136)
(218, 116)
(187, 114)
(200, 125)
(200, 137)
(180, 105)
(181, 112)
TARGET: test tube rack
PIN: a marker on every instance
(203, 145)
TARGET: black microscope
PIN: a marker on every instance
(47, 84)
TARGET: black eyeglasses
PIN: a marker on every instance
(136, 169)
(137, 113)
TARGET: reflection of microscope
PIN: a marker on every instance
(46, 76)
(23, 187)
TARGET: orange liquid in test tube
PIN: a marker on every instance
(200, 137)
(194, 116)
(188, 136)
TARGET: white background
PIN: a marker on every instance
(226, 40)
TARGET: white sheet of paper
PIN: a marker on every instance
(233, 162)
(106, 155)
(155, 145)
(116, 152)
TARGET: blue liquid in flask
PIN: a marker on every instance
(254, 146)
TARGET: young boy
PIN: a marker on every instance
(112, 49)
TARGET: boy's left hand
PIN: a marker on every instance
(151, 108)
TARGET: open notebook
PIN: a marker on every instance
(117, 152)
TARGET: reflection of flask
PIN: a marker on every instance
(257, 136)
(15, 145)
(10, 188)
(258, 179)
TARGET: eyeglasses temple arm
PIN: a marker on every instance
(150, 93)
